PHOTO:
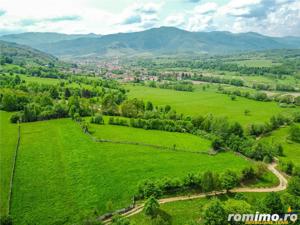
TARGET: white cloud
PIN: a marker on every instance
(271, 17)
(205, 8)
(176, 20)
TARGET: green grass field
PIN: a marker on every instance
(40, 80)
(182, 141)
(202, 102)
(291, 149)
(62, 175)
(8, 142)
(256, 63)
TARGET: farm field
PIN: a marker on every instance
(291, 149)
(206, 102)
(8, 142)
(256, 63)
(55, 154)
(182, 141)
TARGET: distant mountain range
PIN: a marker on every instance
(156, 41)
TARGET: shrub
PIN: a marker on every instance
(97, 119)
(15, 117)
(151, 207)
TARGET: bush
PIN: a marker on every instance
(151, 207)
(294, 186)
(97, 119)
(295, 133)
(15, 117)
(248, 173)
(119, 220)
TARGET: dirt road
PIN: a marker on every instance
(272, 167)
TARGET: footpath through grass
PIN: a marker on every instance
(62, 175)
(8, 142)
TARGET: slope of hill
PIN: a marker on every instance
(22, 55)
(163, 41)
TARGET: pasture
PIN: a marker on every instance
(63, 176)
(204, 102)
(8, 142)
(182, 141)
(256, 63)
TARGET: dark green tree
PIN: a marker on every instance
(272, 203)
(207, 181)
(294, 186)
(229, 180)
(151, 207)
(214, 213)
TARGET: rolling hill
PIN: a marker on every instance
(24, 55)
(157, 41)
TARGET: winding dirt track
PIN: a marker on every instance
(272, 167)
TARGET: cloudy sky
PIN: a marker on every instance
(269, 17)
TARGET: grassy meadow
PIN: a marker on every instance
(182, 141)
(256, 63)
(55, 154)
(8, 142)
(203, 102)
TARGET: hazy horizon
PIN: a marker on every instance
(141, 31)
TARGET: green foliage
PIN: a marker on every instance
(295, 133)
(229, 180)
(272, 204)
(233, 206)
(6, 220)
(132, 108)
(294, 186)
(151, 207)
(207, 182)
(119, 220)
(248, 173)
(214, 213)
(97, 119)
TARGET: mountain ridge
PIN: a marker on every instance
(157, 41)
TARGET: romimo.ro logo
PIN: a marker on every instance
(263, 218)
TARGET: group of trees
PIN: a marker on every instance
(175, 85)
(219, 80)
(202, 182)
(275, 122)
(284, 100)
(269, 87)
(258, 96)
(294, 133)
(35, 101)
(287, 67)
(216, 212)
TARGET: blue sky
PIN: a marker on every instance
(269, 17)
